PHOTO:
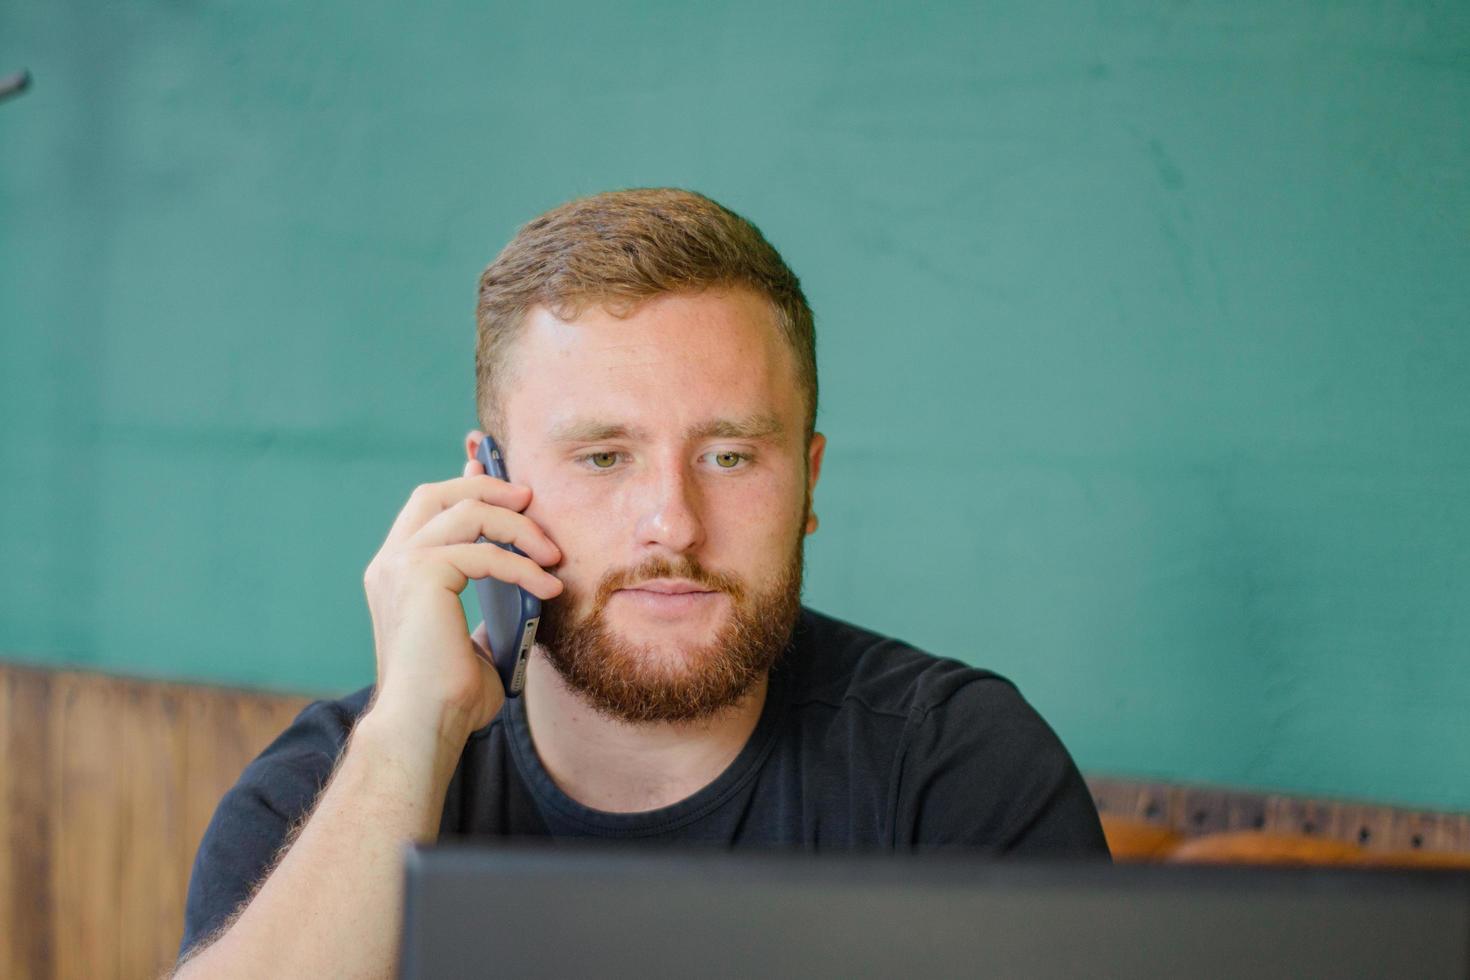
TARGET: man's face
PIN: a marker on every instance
(666, 456)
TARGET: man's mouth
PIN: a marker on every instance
(668, 599)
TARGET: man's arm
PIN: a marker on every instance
(330, 907)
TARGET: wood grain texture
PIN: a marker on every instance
(107, 786)
(9, 955)
(28, 948)
(87, 789)
(1195, 811)
(156, 854)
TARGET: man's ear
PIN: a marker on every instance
(472, 442)
(813, 472)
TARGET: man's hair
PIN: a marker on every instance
(616, 250)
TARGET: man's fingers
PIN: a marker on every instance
(485, 560)
(468, 519)
(430, 499)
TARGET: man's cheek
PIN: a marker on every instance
(581, 577)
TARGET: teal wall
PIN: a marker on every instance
(1143, 333)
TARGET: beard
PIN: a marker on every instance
(635, 683)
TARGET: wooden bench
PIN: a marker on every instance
(1151, 821)
(108, 783)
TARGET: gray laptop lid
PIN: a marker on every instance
(566, 911)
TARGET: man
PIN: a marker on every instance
(646, 362)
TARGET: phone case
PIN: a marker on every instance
(511, 613)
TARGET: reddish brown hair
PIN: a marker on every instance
(616, 250)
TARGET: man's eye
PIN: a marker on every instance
(609, 459)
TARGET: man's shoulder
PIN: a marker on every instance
(842, 664)
(974, 764)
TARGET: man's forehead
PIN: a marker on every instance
(669, 322)
(712, 364)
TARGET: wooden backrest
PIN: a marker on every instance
(105, 790)
(107, 784)
(1256, 847)
(1193, 811)
(1137, 841)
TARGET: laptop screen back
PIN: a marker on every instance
(563, 911)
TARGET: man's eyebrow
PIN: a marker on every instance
(755, 427)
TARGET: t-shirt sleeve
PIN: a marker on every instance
(252, 820)
(982, 769)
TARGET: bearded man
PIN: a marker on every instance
(647, 364)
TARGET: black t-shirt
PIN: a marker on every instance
(864, 743)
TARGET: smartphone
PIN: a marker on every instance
(511, 613)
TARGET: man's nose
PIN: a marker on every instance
(671, 507)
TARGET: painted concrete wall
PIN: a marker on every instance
(1144, 333)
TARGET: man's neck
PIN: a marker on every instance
(618, 767)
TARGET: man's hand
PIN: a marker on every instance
(332, 904)
(430, 672)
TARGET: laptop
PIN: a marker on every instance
(572, 910)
